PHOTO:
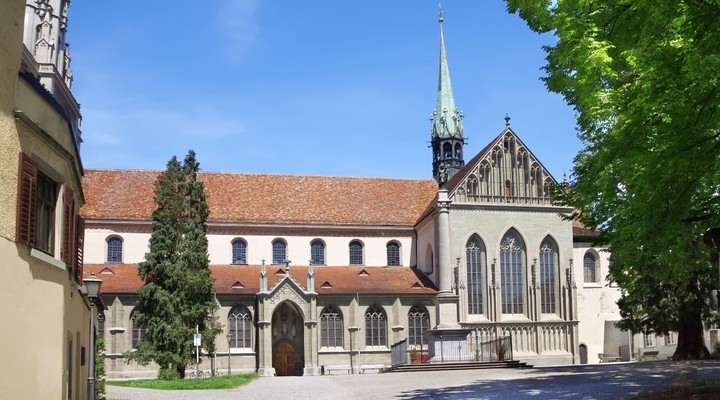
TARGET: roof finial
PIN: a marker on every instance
(507, 120)
(440, 13)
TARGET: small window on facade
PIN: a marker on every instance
(114, 250)
(418, 323)
(240, 327)
(239, 251)
(590, 270)
(317, 252)
(649, 340)
(375, 327)
(393, 254)
(279, 248)
(138, 331)
(671, 338)
(45, 200)
(331, 327)
(356, 253)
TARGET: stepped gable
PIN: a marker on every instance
(267, 198)
(343, 279)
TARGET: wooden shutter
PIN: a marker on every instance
(69, 224)
(79, 242)
(27, 183)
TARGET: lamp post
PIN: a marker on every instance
(229, 338)
(92, 287)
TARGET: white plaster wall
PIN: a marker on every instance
(135, 245)
(425, 240)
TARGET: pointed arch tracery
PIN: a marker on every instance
(512, 266)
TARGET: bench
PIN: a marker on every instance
(649, 354)
(365, 367)
(608, 357)
(327, 369)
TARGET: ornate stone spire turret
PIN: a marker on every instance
(447, 130)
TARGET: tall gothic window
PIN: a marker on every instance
(511, 274)
(418, 323)
(279, 248)
(472, 186)
(138, 331)
(548, 268)
(239, 251)
(474, 265)
(590, 264)
(317, 252)
(331, 327)
(239, 327)
(114, 249)
(356, 253)
(393, 254)
(375, 326)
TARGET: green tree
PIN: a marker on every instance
(178, 293)
(642, 76)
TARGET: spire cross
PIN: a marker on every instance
(507, 120)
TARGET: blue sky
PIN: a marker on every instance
(323, 87)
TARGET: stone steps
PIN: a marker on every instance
(458, 366)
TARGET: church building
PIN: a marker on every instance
(319, 271)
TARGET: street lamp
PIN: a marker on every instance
(92, 288)
(229, 338)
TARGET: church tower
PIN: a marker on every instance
(447, 130)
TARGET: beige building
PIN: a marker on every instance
(45, 316)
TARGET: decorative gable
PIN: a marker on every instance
(503, 172)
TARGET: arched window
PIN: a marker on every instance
(317, 252)
(356, 253)
(458, 151)
(508, 189)
(393, 254)
(138, 331)
(239, 251)
(114, 249)
(512, 252)
(101, 325)
(472, 186)
(331, 327)
(418, 323)
(474, 266)
(590, 268)
(548, 275)
(447, 151)
(279, 254)
(375, 326)
(239, 327)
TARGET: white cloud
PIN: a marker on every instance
(236, 20)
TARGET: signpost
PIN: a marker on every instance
(197, 339)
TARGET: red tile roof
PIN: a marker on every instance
(267, 198)
(245, 279)
(581, 233)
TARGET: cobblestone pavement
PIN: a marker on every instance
(606, 381)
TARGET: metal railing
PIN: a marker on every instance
(495, 350)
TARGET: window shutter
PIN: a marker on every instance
(27, 181)
(79, 241)
(68, 224)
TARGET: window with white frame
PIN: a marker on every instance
(393, 254)
(474, 266)
(418, 323)
(331, 327)
(317, 252)
(375, 327)
(114, 249)
(548, 275)
(590, 268)
(649, 340)
(671, 338)
(279, 251)
(512, 263)
(239, 251)
(240, 327)
(356, 253)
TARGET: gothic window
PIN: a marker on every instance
(356, 253)
(472, 186)
(393, 254)
(101, 325)
(512, 254)
(447, 151)
(114, 249)
(508, 189)
(239, 251)
(331, 327)
(418, 323)
(548, 267)
(458, 151)
(474, 265)
(239, 327)
(317, 252)
(375, 326)
(279, 251)
(590, 268)
(138, 331)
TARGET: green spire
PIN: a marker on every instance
(446, 119)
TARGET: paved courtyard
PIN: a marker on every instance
(607, 381)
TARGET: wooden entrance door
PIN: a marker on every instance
(284, 360)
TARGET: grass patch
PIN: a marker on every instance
(694, 390)
(216, 382)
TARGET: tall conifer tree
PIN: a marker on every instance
(178, 293)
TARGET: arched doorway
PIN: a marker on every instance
(583, 354)
(288, 339)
